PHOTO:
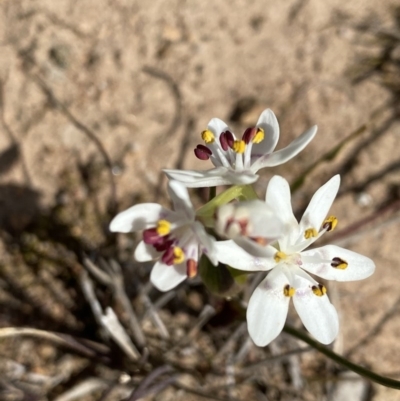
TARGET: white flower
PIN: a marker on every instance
(236, 160)
(288, 261)
(174, 237)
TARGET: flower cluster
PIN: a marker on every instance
(248, 234)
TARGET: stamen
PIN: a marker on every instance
(253, 134)
(191, 268)
(168, 256)
(163, 227)
(259, 135)
(179, 255)
(249, 134)
(226, 139)
(288, 291)
(150, 236)
(163, 244)
(330, 223)
(207, 136)
(319, 290)
(202, 152)
(338, 263)
(310, 233)
(280, 256)
(239, 146)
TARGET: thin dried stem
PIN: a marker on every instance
(83, 346)
(152, 313)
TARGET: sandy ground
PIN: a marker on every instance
(93, 86)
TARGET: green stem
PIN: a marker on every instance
(384, 381)
(240, 192)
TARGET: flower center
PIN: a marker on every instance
(280, 256)
(288, 259)
(165, 239)
(230, 152)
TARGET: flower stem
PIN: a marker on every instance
(382, 380)
(240, 192)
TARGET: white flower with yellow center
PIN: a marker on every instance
(237, 160)
(288, 262)
(173, 237)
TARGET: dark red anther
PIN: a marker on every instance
(163, 244)
(191, 268)
(202, 152)
(168, 257)
(151, 236)
(226, 139)
(160, 243)
(249, 134)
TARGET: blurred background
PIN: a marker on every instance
(96, 97)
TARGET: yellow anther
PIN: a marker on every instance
(207, 136)
(338, 263)
(280, 256)
(319, 290)
(310, 233)
(259, 136)
(239, 146)
(179, 255)
(330, 223)
(288, 291)
(163, 227)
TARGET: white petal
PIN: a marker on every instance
(285, 154)
(267, 224)
(255, 249)
(206, 242)
(268, 307)
(318, 261)
(217, 126)
(230, 253)
(180, 198)
(263, 222)
(320, 204)
(196, 179)
(211, 178)
(166, 277)
(245, 177)
(138, 217)
(318, 315)
(278, 197)
(145, 252)
(269, 124)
